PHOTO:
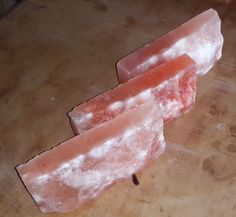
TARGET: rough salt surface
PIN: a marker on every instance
(172, 85)
(78, 170)
(199, 37)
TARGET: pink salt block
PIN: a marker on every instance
(79, 169)
(172, 85)
(199, 37)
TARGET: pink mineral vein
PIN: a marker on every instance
(199, 37)
(172, 85)
(78, 170)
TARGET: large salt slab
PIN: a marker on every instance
(78, 170)
(172, 85)
(199, 37)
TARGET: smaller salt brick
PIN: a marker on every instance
(172, 85)
(78, 170)
(199, 37)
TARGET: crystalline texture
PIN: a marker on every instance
(199, 37)
(79, 169)
(172, 85)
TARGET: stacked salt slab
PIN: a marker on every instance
(79, 169)
(172, 85)
(199, 37)
(121, 130)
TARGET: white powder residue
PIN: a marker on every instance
(130, 102)
(83, 118)
(67, 168)
(129, 133)
(147, 123)
(92, 182)
(171, 108)
(143, 97)
(169, 82)
(117, 158)
(103, 149)
(162, 85)
(146, 95)
(89, 115)
(116, 105)
(42, 178)
(101, 176)
(203, 54)
(176, 49)
(204, 50)
(77, 161)
(142, 154)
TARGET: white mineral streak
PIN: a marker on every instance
(204, 46)
(129, 133)
(116, 105)
(146, 95)
(130, 101)
(149, 62)
(142, 154)
(162, 143)
(82, 119)
(189, 93)
(89, 115)
(103, 149)
(105, 173)
(163, 84)
(202, 51)
(42, 178)
(171, 107)
(199, 37)
(115, 159)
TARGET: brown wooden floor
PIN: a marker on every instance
(55, 54)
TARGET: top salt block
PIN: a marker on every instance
(199, 37)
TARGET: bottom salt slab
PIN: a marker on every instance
(78, 170)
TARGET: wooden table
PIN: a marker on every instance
(55, 54)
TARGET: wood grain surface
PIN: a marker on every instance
(55, 54)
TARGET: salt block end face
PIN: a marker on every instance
(122, 73)
(200, 38)
(73, 119)
(80, 169)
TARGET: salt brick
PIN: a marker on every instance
(78, 170)
(199, 37)
(172, 85)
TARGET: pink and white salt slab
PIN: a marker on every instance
(79, 169)
(200, 38)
